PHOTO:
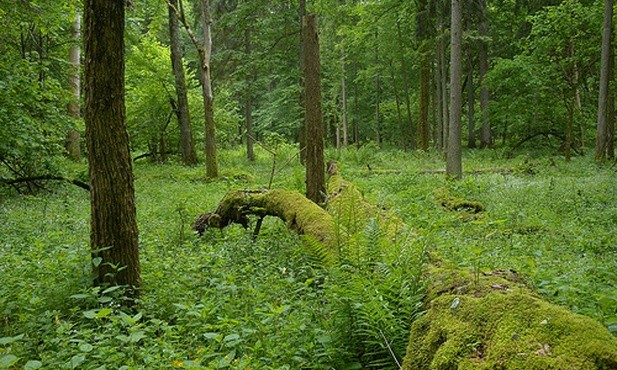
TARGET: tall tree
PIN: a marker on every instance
(113, 235)
(315, 166)
(187, 147)
(422, 34)
(204, 51)
(302, 129)
(602, 129)
(248, 100)
(454, 167)
(73, 137)
(485, 129)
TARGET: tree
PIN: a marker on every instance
(187, 147)
(602, 131)
(485, 130)
(73, 137)
(454, 167)
(204, 51)
(113, 235)
(315, 166)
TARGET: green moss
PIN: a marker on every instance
(452, 203)
(495, 322)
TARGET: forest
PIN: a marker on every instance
(307, 184)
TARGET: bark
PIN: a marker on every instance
(377, 96)
(424, 98)
(601, 130)
(454, 166)
(302, 128)
(443, 73)
(344, 98)
(486, 140)
(187, 146)
(113, 236)
(206, 84)
(405, 74)
(315, 166)
(399, 115)
(73, 136)
(248, 101)
(471, 129)
(610, 148)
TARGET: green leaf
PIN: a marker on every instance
(137, 336)
(104, 313)
(33, 364)
(211, 335)
(86, 347)
(230, 337)
(96, 261)
(9, 340)
(7, 361)
(90, 314)
(77, 360)
(111, 289)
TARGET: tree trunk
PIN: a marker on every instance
(248, 101)
(610, 148)
(377, 95)
(601, 131)
(113, 236)
(486, 140)
(399, 115)
(454, 167)
(315, 166)
(471, 101)
(405, 74)
(344, 98)
(443, 73)
(73, 136)
(302, 128)
(424, 98)
(187, 146)
(212, 170)
(439, 103)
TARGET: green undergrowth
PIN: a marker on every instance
(228, 301)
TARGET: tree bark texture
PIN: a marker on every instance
(315, 166)
(73, 136)
(486, 139)
(205, 53)
(344, 98)
(187, 146)
(471, 101)
(248, 100)
(602, 127)
(454, 167)
(113, 236)
(302, 128)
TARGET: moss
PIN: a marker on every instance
(452, 203)
(496, 322)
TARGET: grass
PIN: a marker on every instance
(226, 301)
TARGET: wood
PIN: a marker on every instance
(454, 167)
(602, 129)
(113, 235)
(187, 146)
(315, 166)
(73, 138)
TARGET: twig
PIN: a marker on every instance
(390, 350)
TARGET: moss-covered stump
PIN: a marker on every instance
(494, 322)
(299, 213)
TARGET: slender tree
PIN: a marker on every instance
(204, 51)
(113, 235)
(248, 100)
(315, 166)
(187, 147)
(454, 167)
(602, 130)
(73, 137)
(422, 34)
(485, 130)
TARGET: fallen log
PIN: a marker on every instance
(493, 321)
(33, 179)
(299, 213)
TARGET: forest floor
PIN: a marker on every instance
(228, 301)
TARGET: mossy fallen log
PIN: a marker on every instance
(494, 321)
(299, 213)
